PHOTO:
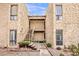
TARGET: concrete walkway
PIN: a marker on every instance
(43, 50)
(55, 52)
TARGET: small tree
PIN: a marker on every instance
(49, 45)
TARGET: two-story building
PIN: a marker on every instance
(62, 24)
(13, 24)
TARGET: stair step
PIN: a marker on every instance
(31, 44)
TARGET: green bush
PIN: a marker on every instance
(42, 41)
(49, 45)
(72, 47)
(21, 44)
(26, 40)
(78, 45)
(75, 50)
(61, 54)
(24, 43)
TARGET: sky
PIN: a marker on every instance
(37, 8)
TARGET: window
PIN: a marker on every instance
(58, 12)
(13, 13)
(12, 37)
(59, 37)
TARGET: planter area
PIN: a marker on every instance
(18, 52)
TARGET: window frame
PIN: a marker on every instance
(13, 42)
(60, 37)
(58, 16)
(11, 12)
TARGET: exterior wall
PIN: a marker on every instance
(24, 21)
(4, 17)
(49, 25)
(21, 24)
(69, 24)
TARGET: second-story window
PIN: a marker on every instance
(13, 12)
(58, 12)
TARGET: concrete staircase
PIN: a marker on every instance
(30, 36)
(33, 46)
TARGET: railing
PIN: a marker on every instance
(30, 34)
(48, 49)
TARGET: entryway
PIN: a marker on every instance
(37, 25)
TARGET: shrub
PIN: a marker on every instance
(24, 43)
(58, 48)
(42, 41)
(61, 54)
(49, 45)
(21, 44)
(72, 48)
(78, 45)
(26, 40)
(75, 50)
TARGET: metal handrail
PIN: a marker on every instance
(48, 49)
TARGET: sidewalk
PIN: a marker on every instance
(43, 50)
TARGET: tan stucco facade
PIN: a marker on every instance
(69, 24)
(44, 26)
(20, 24)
